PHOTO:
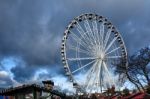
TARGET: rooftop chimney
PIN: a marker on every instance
(48, 84)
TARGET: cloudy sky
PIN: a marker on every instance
(31, 33)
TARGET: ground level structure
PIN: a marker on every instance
(32, 91)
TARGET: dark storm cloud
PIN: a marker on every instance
(25, 73)
(22, 73)
(27, 30)
(24, 32)
(5, 82)
(33, 29)
(130, 17)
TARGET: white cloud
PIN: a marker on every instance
(3, 74)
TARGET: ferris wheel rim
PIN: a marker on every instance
(67, 32)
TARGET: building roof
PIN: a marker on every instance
(28, 88)
(48, 82)
(139, 95)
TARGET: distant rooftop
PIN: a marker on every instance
(48, 82)
(28, 87)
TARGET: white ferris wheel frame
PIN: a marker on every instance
(91, 37)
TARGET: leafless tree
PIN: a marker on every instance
(138, 68)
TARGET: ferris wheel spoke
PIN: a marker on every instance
(106, 69)
(100, 76)
(111, 43)
(107, 37)
(113, 50)
(87, 58)
(80, 50)
(113, 56)
(89, 74)
(94, 24)
(84, 66)
(98, 72)
(102, 33)
(78, 40)
(80, 29)
(95, 32)
(89, 31)
(95, 80)
(94, 74)
(83, 33)
(109, 76)
(82, 42)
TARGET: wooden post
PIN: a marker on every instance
(16, 96)
(24, 96)
(34, 94)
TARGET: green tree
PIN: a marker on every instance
(126, 92)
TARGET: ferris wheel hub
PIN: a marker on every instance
(102, 56)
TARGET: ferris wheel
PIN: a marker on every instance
(91, 47)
